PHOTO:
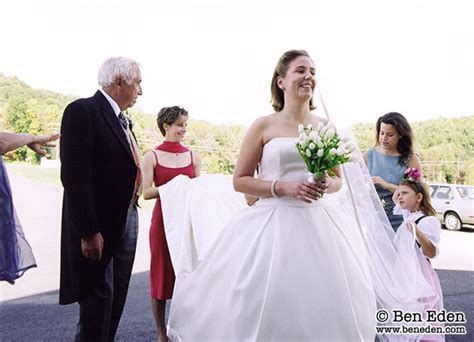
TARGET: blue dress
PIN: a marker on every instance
(388, 168)
(15, 252)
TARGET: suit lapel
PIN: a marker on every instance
(112, 121)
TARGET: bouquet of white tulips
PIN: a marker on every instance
(323, 149)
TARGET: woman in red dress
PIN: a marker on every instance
(161, 165)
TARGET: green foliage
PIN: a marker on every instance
(445, 146)
(23, 109)
(27, 110)
(364, 135)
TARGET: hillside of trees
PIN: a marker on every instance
(445, 146)
(24, 109)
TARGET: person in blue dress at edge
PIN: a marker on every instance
(15, 253)
(389, 158)
(282, 269)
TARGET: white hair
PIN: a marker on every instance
(115, 67)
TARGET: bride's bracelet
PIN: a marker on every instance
(272, 188)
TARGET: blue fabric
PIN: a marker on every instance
(15, 252)
(388, 168)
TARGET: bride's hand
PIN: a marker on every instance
(323, 185)
(303, 191)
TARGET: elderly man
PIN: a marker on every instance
(100, 172)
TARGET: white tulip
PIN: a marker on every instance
(329, 133)
(349, 146)
(320, 144)
(332, 151)
(300, 128)
(312, 146)
(352, 145)
(308, 153)
(323, 131)
(319, 127)
(320, 153)
(303, 136)
(313, 135)
(353, 158)
(345, 135)
(340, 151)
(309, 126)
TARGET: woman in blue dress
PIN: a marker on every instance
(15, 253)
(389, 158)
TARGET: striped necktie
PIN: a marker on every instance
(123, 120)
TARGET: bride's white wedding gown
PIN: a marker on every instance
(280, 270)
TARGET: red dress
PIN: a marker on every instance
(161, 270)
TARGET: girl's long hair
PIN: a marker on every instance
(421, 188)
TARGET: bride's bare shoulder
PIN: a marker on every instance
(263, 127)
(263, 122)
(266, 119)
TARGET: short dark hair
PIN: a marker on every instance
(168, 115)
(278, 98)
(405, 144)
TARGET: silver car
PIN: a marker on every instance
(454, 204)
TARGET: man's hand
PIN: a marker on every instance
(43, 140)
(92, 246)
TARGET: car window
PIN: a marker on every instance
(432, 189)
(466, 192)
(444, 192)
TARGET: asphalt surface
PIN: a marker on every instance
(29, 309)
(40, 318)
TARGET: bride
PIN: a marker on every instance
(297, 265)
(292, 267)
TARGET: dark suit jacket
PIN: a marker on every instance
(98, 174)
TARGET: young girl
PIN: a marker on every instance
(413, 201)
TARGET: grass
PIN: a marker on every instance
(51, 176)
(35, 172)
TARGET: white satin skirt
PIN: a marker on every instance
(282, 270)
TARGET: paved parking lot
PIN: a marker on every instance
(32, 301)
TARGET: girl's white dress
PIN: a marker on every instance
(431, 228)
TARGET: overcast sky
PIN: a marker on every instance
(216, 57)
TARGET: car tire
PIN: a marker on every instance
(452, 221)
